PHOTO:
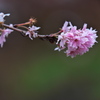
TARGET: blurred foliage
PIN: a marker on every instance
(31, 70)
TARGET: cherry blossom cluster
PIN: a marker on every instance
(77, 41)
(74, 41)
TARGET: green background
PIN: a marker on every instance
(32, 70)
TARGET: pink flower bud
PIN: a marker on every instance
(4, 34)
(32, 32)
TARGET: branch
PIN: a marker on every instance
(75, 41)
(51, 38)
(13, 28)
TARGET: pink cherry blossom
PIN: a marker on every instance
(4, 33)
(32, 33)
(77, 41)
(2, 15)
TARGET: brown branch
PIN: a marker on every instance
(30, 23)
(51, 38)
(15, 29)
(22, 31)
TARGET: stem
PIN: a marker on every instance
(51, 38)
(17, 25)
(13, 28)
(30, 22)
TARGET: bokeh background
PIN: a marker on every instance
(32, 70)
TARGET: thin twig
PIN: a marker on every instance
(22, 31)
(13, 28)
